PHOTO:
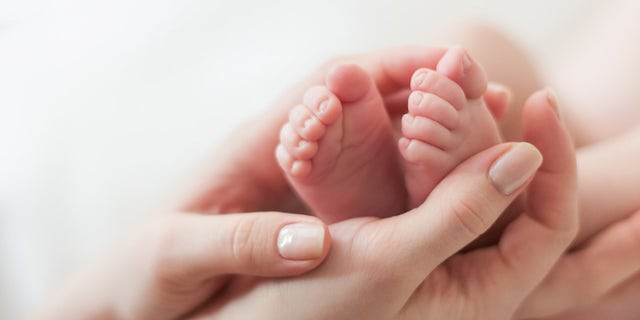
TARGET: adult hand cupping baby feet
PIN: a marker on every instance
(407, 266)
(403, 267)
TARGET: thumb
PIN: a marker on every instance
(463, 206)
(198, 247)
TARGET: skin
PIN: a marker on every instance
(172, 265)
(398, 267)
(593, 93)
(237, 184)
(605, 100)
(403, 268)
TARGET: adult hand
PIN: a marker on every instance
(169, 268)
(237, 183)
(620, 304)
(599, 280)
(176, 264)
(250, 186)
(139, 275)
(407, 267)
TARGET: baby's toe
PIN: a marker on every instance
(295, 145)
(427, 131)
(457, 65)
(306, 124)
(428, 105)
(429, 81)
(323, 104)
(291, 166)
(421, 154)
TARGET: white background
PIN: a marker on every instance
(105, 104)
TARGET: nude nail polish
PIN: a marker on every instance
(301, 241)
(515, 167)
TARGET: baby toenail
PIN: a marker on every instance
(417, 98)
(295, 166)
(307, 123)
(419, 78)
(323, 106)
(408, 118)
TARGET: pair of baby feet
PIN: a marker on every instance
(339, 152)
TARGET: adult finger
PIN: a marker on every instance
(459, 209)
(191, 248)
(620, 304)
(582, 277)
(532, 244)
(497, 98)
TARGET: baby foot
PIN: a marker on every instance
(338, 151)
(443, 127)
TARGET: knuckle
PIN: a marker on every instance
(468, 213)
(242, 242)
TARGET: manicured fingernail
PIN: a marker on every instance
(515, 167)
(301, 241)
(552, 98)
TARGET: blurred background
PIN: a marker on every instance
(104, 105)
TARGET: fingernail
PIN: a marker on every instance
(552, 98)
(515, 167)
(301, 241)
